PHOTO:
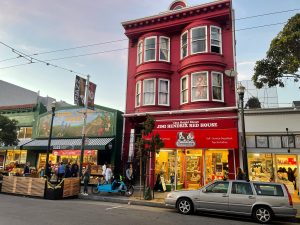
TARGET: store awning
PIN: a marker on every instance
(17, 147)
(90, 143)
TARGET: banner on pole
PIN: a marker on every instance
(79, 91)
(91, 95)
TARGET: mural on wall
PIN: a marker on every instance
(68, 123)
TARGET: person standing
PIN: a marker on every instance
(48, 171)
(240, 174)
(60, 172)
(104, 169)
(108, 174)
(26, 171)
(74, 169)
(86, 179)
(68, 172)
(129, 174)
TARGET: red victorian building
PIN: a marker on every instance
(176, 73)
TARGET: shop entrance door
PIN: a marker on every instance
(194, 169)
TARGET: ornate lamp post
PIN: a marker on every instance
(241, 92)
(50, 137)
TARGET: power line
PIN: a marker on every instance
(114, 41)
(21, 54)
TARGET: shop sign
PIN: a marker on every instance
(195, 124)
(210, 138)
(73, 152)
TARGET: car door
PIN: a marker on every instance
(214, 197)
(241, 197)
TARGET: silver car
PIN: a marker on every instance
(261, 200)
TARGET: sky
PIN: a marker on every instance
(34, 26)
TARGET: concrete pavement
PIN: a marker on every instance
(157, 201)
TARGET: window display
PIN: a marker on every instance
(194, 168)
(261, 167)
(216, 165)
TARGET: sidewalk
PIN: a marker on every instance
(158, 201)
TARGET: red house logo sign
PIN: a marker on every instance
(185, 139)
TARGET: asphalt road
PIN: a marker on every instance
(16, 210)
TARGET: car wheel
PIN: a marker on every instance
(185, 206)
(263, 214)
(95, 189)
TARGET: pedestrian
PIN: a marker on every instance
(108, 174)
(26, 171)
(60, 172)
(240, 174)
(68, 172)
(74, 169)
(86, 179)
(42, 172)
(129, 174)
(104, 169)
(48, 171)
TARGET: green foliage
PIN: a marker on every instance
(282, 59)
(8, 131)
(253, 103)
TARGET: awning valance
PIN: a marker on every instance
(90, 143)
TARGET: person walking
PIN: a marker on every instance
(86, 179)
(240, 175)
(74, 169)
(129, 174)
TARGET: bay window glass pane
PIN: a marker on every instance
(21, 133)
(28, 133)
(199, 86)
(198, 40)
(163, 92)
(149, 94)
(164, 49)
(138, 94)
(215, 36)
(184, 39)
(140, 52)
(274, 141)
(288, 141)
(217, 86)
(184, 90)
(150, 47)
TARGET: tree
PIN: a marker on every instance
(253, 103)
(282, 59)
(8, 131)
(147, 145)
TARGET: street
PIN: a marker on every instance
(16, 210)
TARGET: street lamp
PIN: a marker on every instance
(50, 137)
(241, 92)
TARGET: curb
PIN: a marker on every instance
(124, 200)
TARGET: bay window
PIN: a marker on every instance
(215, 39)
(149, 92)
(184, 88)
(199, 86)
(150, 49)
(217, 86)
(184, 44)
(164, 49)
(198, 40)
(138, 94)
(163, 92)
(140, 53)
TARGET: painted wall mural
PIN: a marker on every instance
(68, 123)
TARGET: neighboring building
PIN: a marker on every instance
(273, 143)
(176, 73)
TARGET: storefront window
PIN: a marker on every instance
(260, 167)
(216, 165)
(194, 169)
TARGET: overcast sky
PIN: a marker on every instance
(35, 26)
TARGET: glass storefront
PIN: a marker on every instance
(261, 167)
(190, 168)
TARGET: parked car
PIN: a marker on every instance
(261, 200)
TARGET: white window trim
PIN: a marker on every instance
(207, 91)
(168, 99)
(138, 48)
(187, 45)
(154, 91)
(136, 92)
(191, 39)
(168, 60)
(155, 50)
(221, 49)
(187, 81)
(212, 87)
